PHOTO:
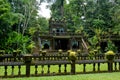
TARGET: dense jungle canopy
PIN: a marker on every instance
(19, 19)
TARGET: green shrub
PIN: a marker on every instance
(44, 52)
(110, 55)
(111, 46)
(60, 51)
(72, 56)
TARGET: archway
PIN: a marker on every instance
(46, 46)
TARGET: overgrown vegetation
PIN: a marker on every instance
(19, 20)
(94, 18)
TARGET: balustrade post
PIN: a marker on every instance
(19, 71)
(59, 68)
(94, 66)
(12, 71)
(73, 67)
(73, 57)
(110, 57)
(5, 73)
(48, 69)
(42, 69)
(115, 66)
(65, 68)
(119, 65)
(98, 66)
(27, 69)
(84, 67)
(110, 65)
(36, 66)
(28, 59)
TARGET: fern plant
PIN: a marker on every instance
(111, 46)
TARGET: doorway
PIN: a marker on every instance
(62, 44)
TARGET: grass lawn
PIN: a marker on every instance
(97, 76)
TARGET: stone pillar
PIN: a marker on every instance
(73, 67)
(27, 60)
(70, 42)
(110, 65)
(53, 44)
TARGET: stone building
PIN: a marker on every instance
(59, 37)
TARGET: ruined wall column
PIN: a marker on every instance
(52, 44)
(70, 44)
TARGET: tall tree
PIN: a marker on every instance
(115, 13)
(27, 8)
(7, 20)
(90, 14)
(57, 8)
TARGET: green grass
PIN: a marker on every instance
(100, 76)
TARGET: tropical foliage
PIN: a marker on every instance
(19, 20)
